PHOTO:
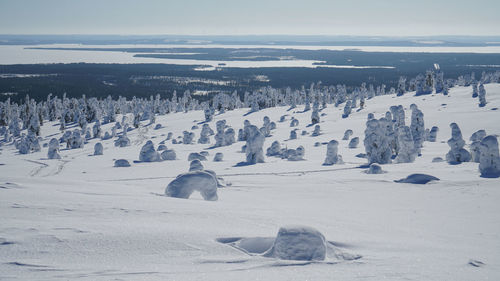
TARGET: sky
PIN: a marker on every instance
(236, 17)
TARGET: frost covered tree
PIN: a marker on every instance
(293, 134)
(482, 95)
(439, 82)
(376, 143)
(347, 134)
(407, 152)
(205, 134)
(97, 129)
(53, 152)
(317, 131)
(475, 147)
(417, 127)
(274, 149)
(332, 156)
(489, 164)
(148, 153)
(347, 109)
(219, 136)
(457, 153)
(353, 143)
(187, 137)
(255, 141)
(475, 92)
(229, 136)
(401, 86)
(433, 134)
(315, 114)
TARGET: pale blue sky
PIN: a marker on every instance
(312, 17)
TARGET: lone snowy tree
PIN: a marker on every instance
(489, 164)
(332, 156)
(482, 95)
(376, 143)
(255, 141)
(457, 153)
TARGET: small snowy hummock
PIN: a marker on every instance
(374, 169)
(417, 179)
(274, 149)
(195, 165)
(219, 156)
(122, 163)
(168, 154)
(317, 131)
(298, 243)
(196, 156)
(185, 184)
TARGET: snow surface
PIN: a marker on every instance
(81, 218)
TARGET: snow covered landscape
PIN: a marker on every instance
(78, 216)
(249, 140)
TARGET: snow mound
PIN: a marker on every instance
(122, 163)
(98, 149)
(298, 243)
(417, 179)
(185, 184)
(375, 169)
(218, 157)
(168, 154)
(196, 156)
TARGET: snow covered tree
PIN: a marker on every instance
(482, 95)
(376, 143)
(401, 86)
(489, 164)
(417, 127)
(255, 141)
(332, 156)
(407, 152)
(53, 152)
(148, 153)
(475, 147)
(457, 153)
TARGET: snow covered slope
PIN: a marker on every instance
(81, 218)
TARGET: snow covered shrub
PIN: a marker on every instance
(170, 135)
(294, 122)
(185, 184)
(162, 147)
(122, 141)
(293, 134)
(188, 137)
(98, 149)
(106, 136)
(229, 136)
(433, 134)
(195, 165)
(158, 126)
(254, 144)
(204, 153)
(205, 134)
(354, 142)
(457, 153)
(475, 147)
(347, 134)
(219, 156)
(298, 243)
(376, 143)
(196, 156)
(489, 164)
(317, 131)
(209, 114)
(303, 133)
(295, 154)
(168, 154)
(53, 152)
(482, 96)
(332, 156)
(407, 152)
(148, 153)
(76, 140)
(274, 149)
(122, 163)
(282, 118)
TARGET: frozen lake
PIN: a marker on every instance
(19, 54)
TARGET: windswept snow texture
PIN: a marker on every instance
(80, 218)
